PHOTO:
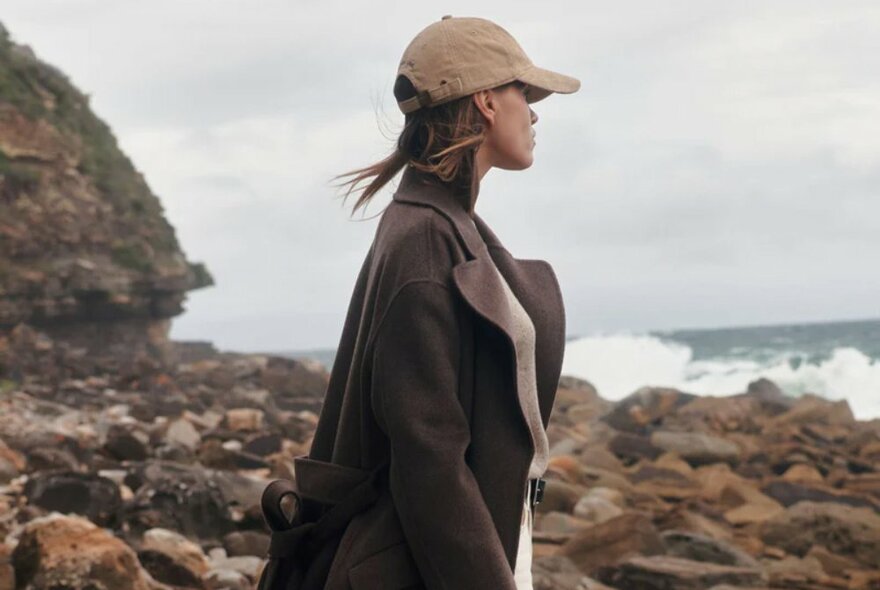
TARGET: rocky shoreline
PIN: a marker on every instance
(131, 473)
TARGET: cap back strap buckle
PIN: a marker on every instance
(431, 96)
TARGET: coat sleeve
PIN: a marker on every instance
(414, 394)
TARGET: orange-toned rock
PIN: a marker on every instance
(665, 483)
(812, 408)
(832, 563)
(802, 472)
(7, 572)
(752, 513)
(58, 551)
(566, 466)
(854, 532)
(559, 496)
(611, 541)
(601, 457)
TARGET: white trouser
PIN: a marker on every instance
(523, 572)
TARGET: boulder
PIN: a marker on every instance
(698, 547)
(91, 495)
(611, 541)
(662, 572)
(172, 558)
(645, 409)
(697, 448)
(58, 551)
(845, 530)
(630, 448)
(557, 572)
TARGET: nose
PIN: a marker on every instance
(534, 116)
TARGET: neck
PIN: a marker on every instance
(482, 164)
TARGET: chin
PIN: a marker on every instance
(521, 163)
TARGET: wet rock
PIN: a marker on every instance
(177, 497)
(263, 444)
(126, 443)
(90, 495)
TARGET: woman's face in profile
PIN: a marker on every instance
(510, 137)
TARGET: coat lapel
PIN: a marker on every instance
(532, 281)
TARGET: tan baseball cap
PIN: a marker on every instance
(457, 56)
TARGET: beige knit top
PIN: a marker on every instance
(524, 343)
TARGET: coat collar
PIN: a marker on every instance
(423, 189)
(531, 280)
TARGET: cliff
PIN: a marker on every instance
(85, 250)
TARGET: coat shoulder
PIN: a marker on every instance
(415, 243)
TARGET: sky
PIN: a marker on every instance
(720, 165)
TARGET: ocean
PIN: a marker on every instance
(835, 360)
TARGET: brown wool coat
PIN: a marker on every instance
(425, 373)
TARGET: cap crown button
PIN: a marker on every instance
(445, 16)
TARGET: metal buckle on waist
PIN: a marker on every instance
(536, 490)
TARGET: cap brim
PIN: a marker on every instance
(543, 83)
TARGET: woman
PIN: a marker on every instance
(451, 350)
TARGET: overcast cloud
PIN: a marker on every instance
(719, 166)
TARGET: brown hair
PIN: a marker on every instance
(441, 140)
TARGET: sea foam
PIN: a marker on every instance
(618, 364)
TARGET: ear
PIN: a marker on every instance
(485, 102)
